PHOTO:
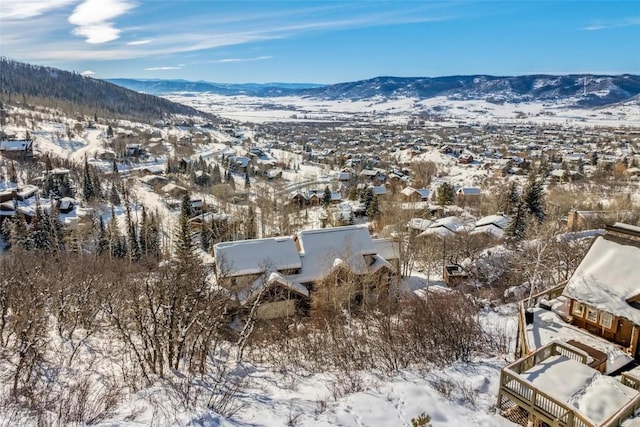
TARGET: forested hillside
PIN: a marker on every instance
(77, 94)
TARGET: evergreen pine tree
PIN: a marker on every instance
(205, 236)
(185, 249)
(13, 174)
(20, 235)
(374, 209)
(509, 199)
(445, 194)
(517, 228)
(251, 224)
(132, 237)
(103, 240)
(114, 197)
(64, 188)
(326, 196)
(87, 184)
(39, 236)
(533, 198)
(217, 177)
(247, 182)
(117, 248)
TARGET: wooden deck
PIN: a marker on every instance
(516, 392)
(599, 359)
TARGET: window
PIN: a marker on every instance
(578, 309)
(592, 315)
(606, 319)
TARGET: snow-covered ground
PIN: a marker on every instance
(298, 109)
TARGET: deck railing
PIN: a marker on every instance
(536, 402)
(522, 346)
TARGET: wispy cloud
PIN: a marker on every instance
(627, 22)
(258, 58)
(25, 9)
(162, 68)
(138, 42)
(92, 19)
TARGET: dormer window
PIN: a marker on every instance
(578, 309)
(370, 259)
(606, 320)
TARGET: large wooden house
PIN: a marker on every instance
(595, 314)
(604, 291)
(284, 272)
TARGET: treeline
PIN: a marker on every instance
(76, 94)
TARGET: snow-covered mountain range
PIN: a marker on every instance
(578, 90)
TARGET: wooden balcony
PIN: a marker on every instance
(526, 396)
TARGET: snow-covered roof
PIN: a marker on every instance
(419, 223)
(149, 179)
(387, 248)
(470, 191)
(247, 257)
(445, 227)
(319, 250)
(607, 278)
(209, 216)
(596, 396)
(627, 227)
(171, 187)
(424, 192)
(408, 191)
(379, 190)
(15, 144)
(66, 202)
(490, 230)
(245, 296)
(500, 221)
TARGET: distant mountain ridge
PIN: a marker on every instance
(161, 87)
(584, 90)
(76, 93)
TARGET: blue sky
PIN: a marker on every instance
(321, 41)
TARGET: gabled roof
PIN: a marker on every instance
(379, 190)
(445, 227)
(470, 191)
(608, 278)
(15, 144)
(387, 248)
(500, 221)
(322, 249)
(408, 191)
(424, 192)
(246, 296)
(256, 256)
(419, 223)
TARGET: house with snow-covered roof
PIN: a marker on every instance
(285, 271)
(416, 194)
(16, 149)
(491, 225)
(468, 194)
(259, 268)
(605, 288)
(597, 309)
(446, 227)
